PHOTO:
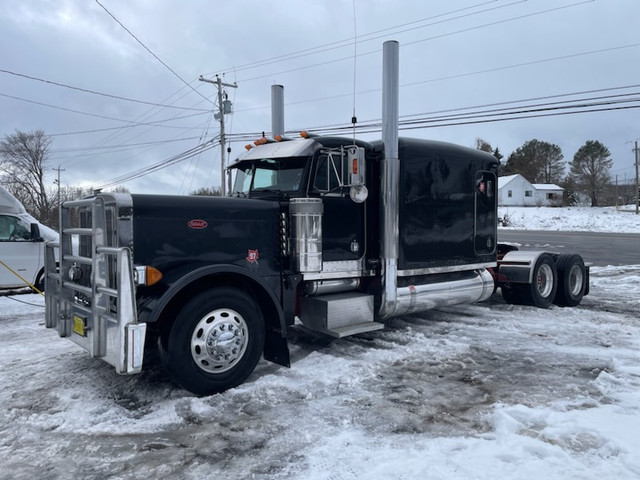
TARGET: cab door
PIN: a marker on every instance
(19, 253)
(343, 220)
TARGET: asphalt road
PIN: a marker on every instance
(601, 249)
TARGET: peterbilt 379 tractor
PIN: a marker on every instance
(332, 233)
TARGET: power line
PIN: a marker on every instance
(125, 146)
(93, 92)
(148, 50)
(104, 117)
(471, 118)
(348, 42)
(450, 77)
(160, 165)
(435, 37)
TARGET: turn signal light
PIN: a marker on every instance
(153, 276)
(146, 275)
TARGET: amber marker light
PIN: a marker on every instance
(304, 134)
(248, 146)
(146, 275)
(153, 276)
(278, 138)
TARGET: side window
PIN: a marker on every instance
(510, 194)
(5, 228)
(13, 229)
(528, 193)
(326, 174)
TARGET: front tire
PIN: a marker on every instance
(215, 342)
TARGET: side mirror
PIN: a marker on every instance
(355, 159)
(35, 233)
(357, 178)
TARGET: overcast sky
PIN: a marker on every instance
(454, 55)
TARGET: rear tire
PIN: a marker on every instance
(40, 280)
(511, 294)
(542, 290)
(572, 280)
(215, 342)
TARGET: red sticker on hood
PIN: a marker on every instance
(197, 224)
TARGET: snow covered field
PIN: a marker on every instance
(578, 219)
(486, 391)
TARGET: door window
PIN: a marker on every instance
(13, 229)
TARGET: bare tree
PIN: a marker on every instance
(23, 162)
(485, 146)
(590, 169)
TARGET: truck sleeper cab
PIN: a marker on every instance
(219, 281)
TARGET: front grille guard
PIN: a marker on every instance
(85, 313)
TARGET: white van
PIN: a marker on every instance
(22, 240)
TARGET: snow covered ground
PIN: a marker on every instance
(579, 219)
(486, 391)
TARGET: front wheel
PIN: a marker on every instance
(215, 342)
(542, 289)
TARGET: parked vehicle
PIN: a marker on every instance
(22, 241)
(334, 233)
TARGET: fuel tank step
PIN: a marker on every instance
(339, 314)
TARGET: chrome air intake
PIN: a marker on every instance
(306, 233)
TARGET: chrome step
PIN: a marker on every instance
(339, 314)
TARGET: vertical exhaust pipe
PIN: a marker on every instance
(277, 110)
(390, 177)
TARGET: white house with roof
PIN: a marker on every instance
(517, 191)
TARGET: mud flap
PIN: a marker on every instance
(276, 348)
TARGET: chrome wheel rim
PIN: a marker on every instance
(544, 280)
(575, 280)
(219, 340)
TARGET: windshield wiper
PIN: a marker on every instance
(279, 193)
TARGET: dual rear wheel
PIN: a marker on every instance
(562, 282)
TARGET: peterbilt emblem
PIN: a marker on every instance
(197, 224)
(253, 256)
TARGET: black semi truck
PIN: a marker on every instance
(332, 233)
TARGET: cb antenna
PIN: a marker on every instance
(354, 120)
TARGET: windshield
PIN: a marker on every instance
(270, 175)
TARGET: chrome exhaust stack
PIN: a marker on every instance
(390, 178)
(472, 286)
(277, 110)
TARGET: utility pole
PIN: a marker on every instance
(635, 150)
(58, 181)
(224, 107)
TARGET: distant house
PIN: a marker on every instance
(517, 191)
